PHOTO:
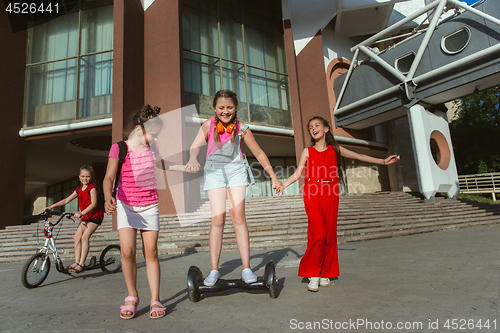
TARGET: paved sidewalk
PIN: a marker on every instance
(417, 281)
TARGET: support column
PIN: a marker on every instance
(13, 35)
(128, 69)
(163, 86)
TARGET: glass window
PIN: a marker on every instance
(229, 45)
(199, 27)
(53, 40)
(62, 190)
(456, 41)
(96, 85)
(403, 64)
(97, 30)
(55, 66)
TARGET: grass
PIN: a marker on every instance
(483, 197)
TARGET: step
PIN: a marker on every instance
(274, 222)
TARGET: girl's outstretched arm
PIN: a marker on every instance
(62, 202)
(165, 165)
(107, 186)
(296, 175)
(365, 158)
(259, 154)
(176, 167)
(192, 165)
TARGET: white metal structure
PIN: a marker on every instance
(409, 82)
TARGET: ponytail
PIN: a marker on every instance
(147, 113)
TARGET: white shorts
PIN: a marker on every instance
(137, 217)
(231, 175)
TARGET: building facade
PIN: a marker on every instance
(71, 80)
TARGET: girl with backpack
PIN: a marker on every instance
(136, 205)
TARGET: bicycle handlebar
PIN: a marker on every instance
(48, 212)
(51, 212)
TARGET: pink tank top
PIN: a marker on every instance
(137, 180)
(223, 138)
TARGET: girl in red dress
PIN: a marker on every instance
(91, 215)
(321, 200)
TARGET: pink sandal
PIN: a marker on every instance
(131, 308)
(152, 310)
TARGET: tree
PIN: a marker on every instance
(475, 132)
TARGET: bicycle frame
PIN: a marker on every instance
(37, 268)
(50, 245)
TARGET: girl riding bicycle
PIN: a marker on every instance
(91, 215)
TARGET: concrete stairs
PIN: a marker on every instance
(273, 222)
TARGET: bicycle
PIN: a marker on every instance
(37, 268)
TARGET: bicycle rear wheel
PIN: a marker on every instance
(111, 259)
(35, 270)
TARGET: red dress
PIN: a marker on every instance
(84, 201)
(321, 200)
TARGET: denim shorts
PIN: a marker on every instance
(230, 175)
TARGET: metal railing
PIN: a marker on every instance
(480, 183)
(408, 82)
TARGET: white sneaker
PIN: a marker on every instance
(212, 278)
(324, 282)
(313, 284)
(248, 276)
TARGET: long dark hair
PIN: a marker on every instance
(330, 141)
(227, 94)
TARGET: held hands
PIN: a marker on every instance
(77, 215)
(192, 166)
(391, 159)
(278, 186)
(110, 205)
(281, 190)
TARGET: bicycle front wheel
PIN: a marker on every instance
(111, 259)
(35, 270)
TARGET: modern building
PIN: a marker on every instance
(71, 78)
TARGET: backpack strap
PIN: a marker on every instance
(79, 188)
(123, 149)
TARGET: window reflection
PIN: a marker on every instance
(57, 75)
(229, 45)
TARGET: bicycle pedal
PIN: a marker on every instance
(93, 261)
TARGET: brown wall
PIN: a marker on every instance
(128, 70)
(294, 88)
(308, 85)
(163, 84)
(128, 57)
(12, 147)
(313, 92)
